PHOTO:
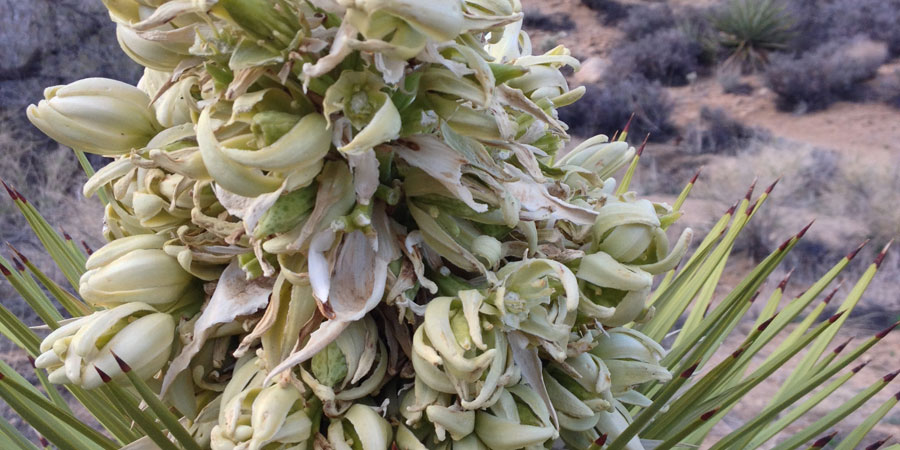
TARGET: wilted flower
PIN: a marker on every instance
(175, 102)
(162, 48)
(134, 332)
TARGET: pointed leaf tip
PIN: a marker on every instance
(66, 235)
(9, 190)
(832, 293)
(841, 347)
(628, 124)
(640, 150)
(690, 370)
(860, 367)
(880, 258)
(87, 248)
(754, 297)
(835, 317)
(805, 229)
(752, 206)
(122, 364)
(709, 414)
(44, 442)
(731, 210)
(886, 331)
(764, 325)
(897, 395)
(696, 176)
(19, 266)
(31, 361)
(737, 353)
(890, 377)
(853, 253)
(822, 442)
(17, 252)
(751, 189)
(103, 376)
(772, 186)
(5, 271)
(878, 444)
(601, 440)
(784, 281)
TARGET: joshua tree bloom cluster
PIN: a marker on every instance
(352, 224)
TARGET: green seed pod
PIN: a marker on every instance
(352, 367)
(288, 212)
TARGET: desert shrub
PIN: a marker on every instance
(717, 132)
(732, 82)
(819, 184)
(612, 11)
(751, 29)
(648, 19)
(607, 106)
(535, 20)
(809, 190)
(834, 71)
(886, 88)
(841, 19)
(696, 24)
(668, 55)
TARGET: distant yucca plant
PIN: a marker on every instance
(750, 29)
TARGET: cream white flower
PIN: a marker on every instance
(134, 269)
(96, 115)
(134, 332)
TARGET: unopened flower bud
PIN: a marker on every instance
(96, 115)
(134, 269)
(598, 156)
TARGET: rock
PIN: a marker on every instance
(592, 70)
(50, 42)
